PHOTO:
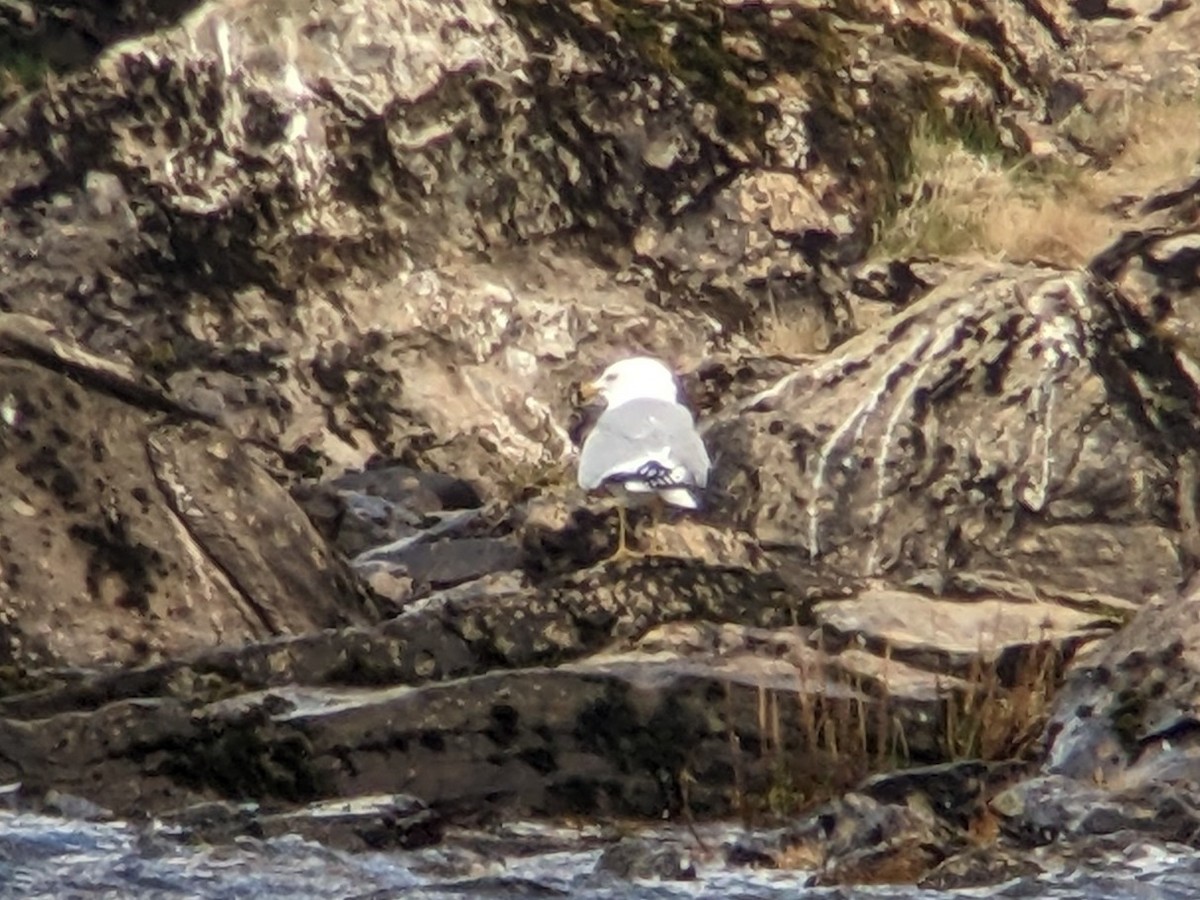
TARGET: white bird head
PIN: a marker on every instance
(636, 378)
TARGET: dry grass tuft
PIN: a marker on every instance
(1160, 142)
(958, 201)
(837, 728)
(990, 720)
(799, 331)
(821, 739)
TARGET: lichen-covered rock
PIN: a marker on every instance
(254, 211)
(890, 829)
(1052, 807)
(1128, 712)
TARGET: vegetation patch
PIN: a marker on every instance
(817, 741)
(796, 331)
(961, 197)
(21, 71)
(992, 720)
(838, 727)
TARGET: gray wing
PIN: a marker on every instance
(640, 432)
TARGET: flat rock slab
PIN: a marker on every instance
(641, 731)
(378, 822)
(948, 634)
(445, 563)
(893, 677)
(620, 736)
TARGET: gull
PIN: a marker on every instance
(644, 445)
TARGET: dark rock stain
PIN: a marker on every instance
(432, 740)
(503, 729)
(244, 758)
(47, 471)
(539, 759)
(115, 551)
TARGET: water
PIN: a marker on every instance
(46, 857)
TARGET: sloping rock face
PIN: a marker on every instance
(352, 257)
(1127, 715)
(133, 530)
(977, 433)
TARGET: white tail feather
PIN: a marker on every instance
(680, 497)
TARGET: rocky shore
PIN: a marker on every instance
(294, 299)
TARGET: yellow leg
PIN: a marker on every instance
(658, 508)
(622, 551)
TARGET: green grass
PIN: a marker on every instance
(22, 70)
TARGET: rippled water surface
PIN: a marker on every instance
(47, 857)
